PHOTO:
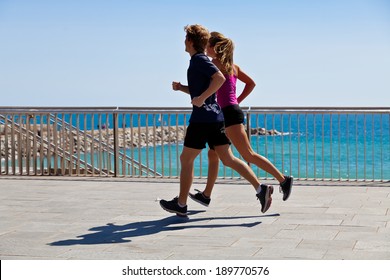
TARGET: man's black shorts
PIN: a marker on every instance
(198, 134)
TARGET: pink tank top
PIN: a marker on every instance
(226, 95)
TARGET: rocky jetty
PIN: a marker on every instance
(141, 137)
(127, 138)
(263, 131)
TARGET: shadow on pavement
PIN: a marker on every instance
(111, 233)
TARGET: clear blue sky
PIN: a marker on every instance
(128, 52)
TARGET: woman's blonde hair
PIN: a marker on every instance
(224, 48)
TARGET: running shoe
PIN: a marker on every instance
(265, 197)
(286, 187)
(200, 198)
(172, 206)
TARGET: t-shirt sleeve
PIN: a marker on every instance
(205, 66)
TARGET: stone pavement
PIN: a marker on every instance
(120, 218)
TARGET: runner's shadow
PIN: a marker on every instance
(111, 233)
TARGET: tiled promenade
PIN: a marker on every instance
(110, 219)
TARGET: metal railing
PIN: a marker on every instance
(308, 143)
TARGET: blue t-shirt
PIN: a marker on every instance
(199, 77)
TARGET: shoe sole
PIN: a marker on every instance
(268, 199)
(292, 180)
(173, 211)
(192, 196)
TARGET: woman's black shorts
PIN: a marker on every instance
(233, 115)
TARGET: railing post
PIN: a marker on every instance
(116, 144)
(248, 123)
(248, 127)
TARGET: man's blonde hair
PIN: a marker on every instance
(198, 35)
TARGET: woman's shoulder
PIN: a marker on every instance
(236, 69)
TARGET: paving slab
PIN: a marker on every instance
(120, 218)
